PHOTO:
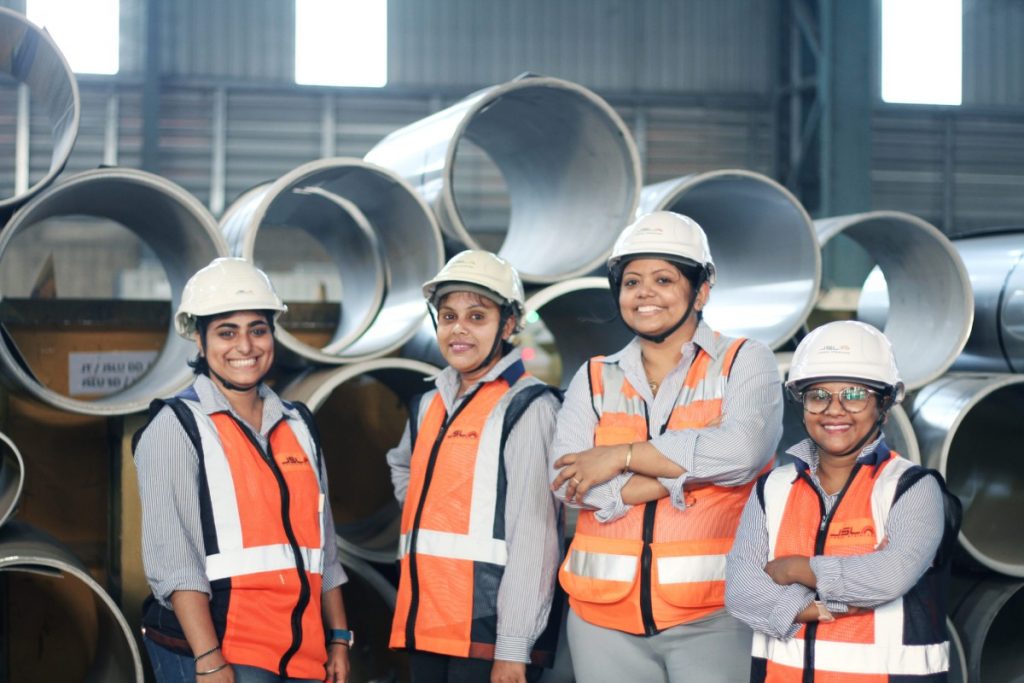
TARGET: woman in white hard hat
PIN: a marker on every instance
(839, 562)
(479, 533)
(237, 536)
(658, 445)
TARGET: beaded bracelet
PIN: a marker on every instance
(213, 670)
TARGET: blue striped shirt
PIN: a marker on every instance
(730, 454)
(167, 465)
(914, 530)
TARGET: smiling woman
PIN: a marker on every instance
(237, 531)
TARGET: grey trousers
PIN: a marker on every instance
(715, 649)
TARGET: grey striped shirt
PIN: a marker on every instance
(532, 535)
(730, 454)
(914, 530)
(167, 466)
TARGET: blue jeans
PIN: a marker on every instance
(170, 667)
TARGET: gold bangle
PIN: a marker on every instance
(213, 670)
(629, 458)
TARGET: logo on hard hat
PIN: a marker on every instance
(835, 348)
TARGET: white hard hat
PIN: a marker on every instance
(226, 285)
(475, 270)
(845, 350)
(664, 234)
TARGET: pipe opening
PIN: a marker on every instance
(481, 196)
(117, 235)
(930, 307)
(348, 241)
(764, 246)
(38, 92)
(12, 478)
(569, 165)
(988, 620)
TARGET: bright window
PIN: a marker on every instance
(922, 48)
(87, 33)
(341, 42)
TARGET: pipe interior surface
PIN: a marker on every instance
(57, 612)
(361, 411)
(930, 307)
(968, 427)
(988, 620)
(581, 321)
(764, 246)
(379, 235)
(568, 162)
(171, 222)
(31, 57)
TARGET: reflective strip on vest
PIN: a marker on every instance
(478, 544)
(260, 559)
(887, 654)
(604, 566)
(233, 558)
(691, 568)
(455, 547)
(856, 658)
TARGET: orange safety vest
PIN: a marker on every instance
(265, 568)
(904, 639)
(452, 548)
(656, 567)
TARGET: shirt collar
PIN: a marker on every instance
(212, 400)
(449, 380)
(703, 338)
(806, 453)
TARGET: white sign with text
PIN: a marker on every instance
(104, 372)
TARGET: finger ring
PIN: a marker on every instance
(576, 481)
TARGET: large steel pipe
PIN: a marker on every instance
(68, 637)
(996, 267)
(569, 164)
(988, 620)
(30, 57)
(378, 233)
(171, 222)
(930, 306)
(764, 246)
(12, 478)
(361, 411)
(569, 322)
(968, 427)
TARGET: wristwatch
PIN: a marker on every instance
(342, 636)
(824, 616)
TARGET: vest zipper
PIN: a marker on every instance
(414, 587)
(304, 587)
(811, 633)
(646, 554)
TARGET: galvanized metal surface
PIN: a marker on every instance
(568, 161)
(12, 478)
(31, 58)
(180, 231)
(996, 267)
(764, 246)
(116, 658)
(968, 428)
(377, 231)
(988, 622)
(930, 306)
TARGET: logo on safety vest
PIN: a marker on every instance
(292, 460)
(459, 434)
(849, 531)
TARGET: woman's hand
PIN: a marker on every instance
(589, 468)
(508, 672)
(791, 569)
(337, 663)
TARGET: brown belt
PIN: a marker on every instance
(178, 645)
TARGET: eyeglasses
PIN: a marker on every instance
(852, 399)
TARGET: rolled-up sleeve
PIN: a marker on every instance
(750, 594)
(575, 433)
(735, 451)
(333, 573)
(398, 459)
(167, 467)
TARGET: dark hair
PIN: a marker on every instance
(199, 364)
